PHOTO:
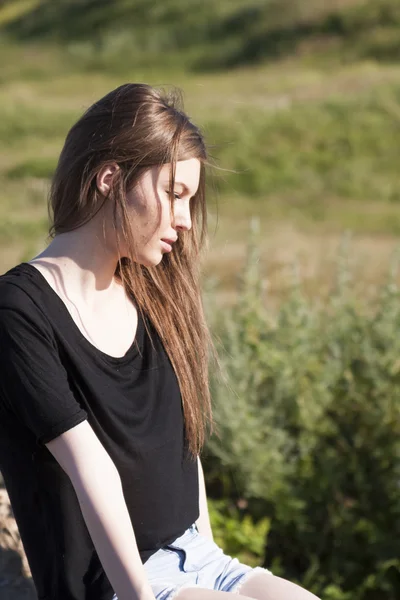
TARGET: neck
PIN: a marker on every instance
(84, 261)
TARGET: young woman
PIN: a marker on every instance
(104, 398)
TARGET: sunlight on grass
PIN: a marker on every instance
(12, 10)
(311, 152)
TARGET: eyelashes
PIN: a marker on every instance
(177, 196)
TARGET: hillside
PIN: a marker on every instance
(204, 34)
(299, 101)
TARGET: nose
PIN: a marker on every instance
(182, 220)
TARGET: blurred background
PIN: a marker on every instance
(300, 104)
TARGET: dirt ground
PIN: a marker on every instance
(15, 576)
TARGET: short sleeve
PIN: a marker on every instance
(33, 382)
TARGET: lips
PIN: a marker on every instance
(169, 241)
(167, 245)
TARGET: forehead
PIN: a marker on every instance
(187, 172)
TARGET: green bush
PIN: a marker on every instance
(237, 534)
(309, 432)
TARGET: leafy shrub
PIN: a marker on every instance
(237, 534)
(309, 426)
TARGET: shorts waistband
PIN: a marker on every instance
(188, 534)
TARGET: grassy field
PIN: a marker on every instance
(307, 137)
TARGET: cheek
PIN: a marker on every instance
(147, 209)
(156, 215)
(147, 213)
(137, 207)
(147, 225)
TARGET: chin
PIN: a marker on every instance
(150, 261)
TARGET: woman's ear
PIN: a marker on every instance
(104, 177)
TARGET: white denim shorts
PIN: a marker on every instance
(193, 560)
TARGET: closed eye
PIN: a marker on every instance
(177, 196)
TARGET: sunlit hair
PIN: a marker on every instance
(138, 127)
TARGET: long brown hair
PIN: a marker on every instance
(138, 127)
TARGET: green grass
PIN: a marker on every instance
(98, 34)
(307, 150)
(339, 148)
(307, 139)
(13, 11)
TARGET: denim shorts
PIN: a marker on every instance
(193, 560)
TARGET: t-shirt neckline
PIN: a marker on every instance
(131, 351)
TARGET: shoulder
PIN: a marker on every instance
(14, 287)
(19, 300)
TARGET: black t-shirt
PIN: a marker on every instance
(51, 379)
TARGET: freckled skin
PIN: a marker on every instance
(150, 210)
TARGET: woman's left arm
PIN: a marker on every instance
(203, 522)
